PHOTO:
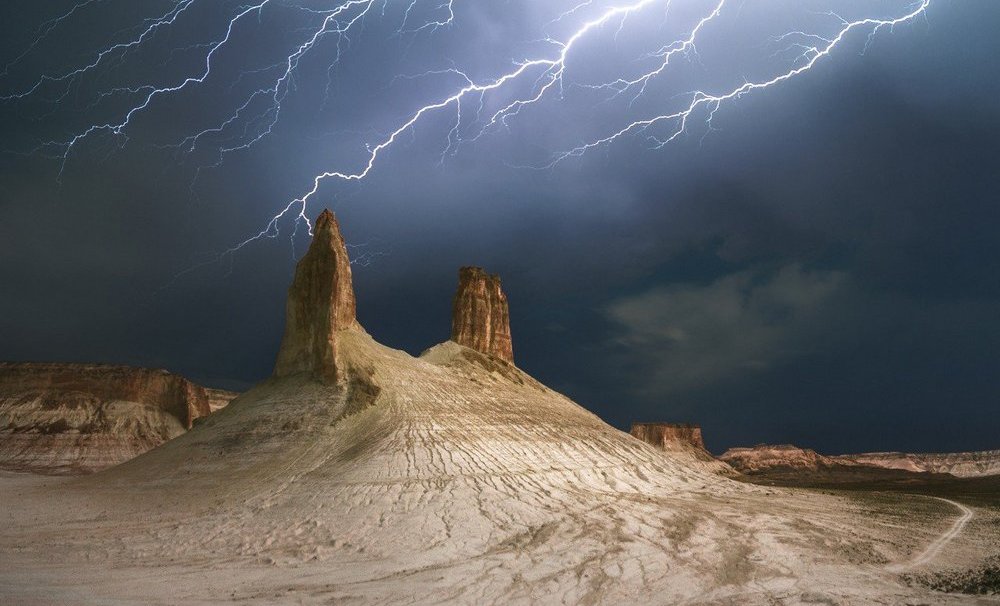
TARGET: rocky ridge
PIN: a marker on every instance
(219, 398)
(763, 457)
(81, 418)
(958, 464)
(766, 458)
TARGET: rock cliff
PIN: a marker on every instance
(80, 418)
(765, 458)
(679, 438)
(480, 316)
(219, 398)
(320, 305)
(669, 436)
(959, 464)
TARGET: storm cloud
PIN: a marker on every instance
(819, 267)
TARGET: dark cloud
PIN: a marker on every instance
(695, 335)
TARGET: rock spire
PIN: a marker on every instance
(320, 304)
(480, 317)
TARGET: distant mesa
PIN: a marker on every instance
(958, 464)
(765, 457)
(679, 438)
(787, 460)
(669, 436)
(480, 316)
(81, 418)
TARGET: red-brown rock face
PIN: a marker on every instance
(168, 392)
(678, 438)
(80, 418)
(320, 303)
(480, 317)
(668, 436)
(765, 457)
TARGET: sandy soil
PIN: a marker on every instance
(455, 478)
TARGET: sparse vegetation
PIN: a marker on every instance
(56, 426)
(983, 580)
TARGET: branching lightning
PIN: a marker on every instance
(555, 70)
(812, 53)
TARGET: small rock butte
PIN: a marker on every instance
(480, 315)
(668, 436)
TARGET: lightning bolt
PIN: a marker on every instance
(331, 24)
(549, 74)
(712, 102)
(71, 76)
(338, 21)
(43, 32)
(553, 74)
(147, 92)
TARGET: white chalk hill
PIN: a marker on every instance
(452, 449)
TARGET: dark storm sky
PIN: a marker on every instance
(821, 268)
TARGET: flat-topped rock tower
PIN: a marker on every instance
(480, 316)
(668, 436)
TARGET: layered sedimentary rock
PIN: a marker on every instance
(764, 457)
(669, 436)
(219, 398)
(80, 418)
(480, 316)
(682, 438)
(320, 305)
(959, 464)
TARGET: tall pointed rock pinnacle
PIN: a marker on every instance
(480, 317)
(320, 303)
